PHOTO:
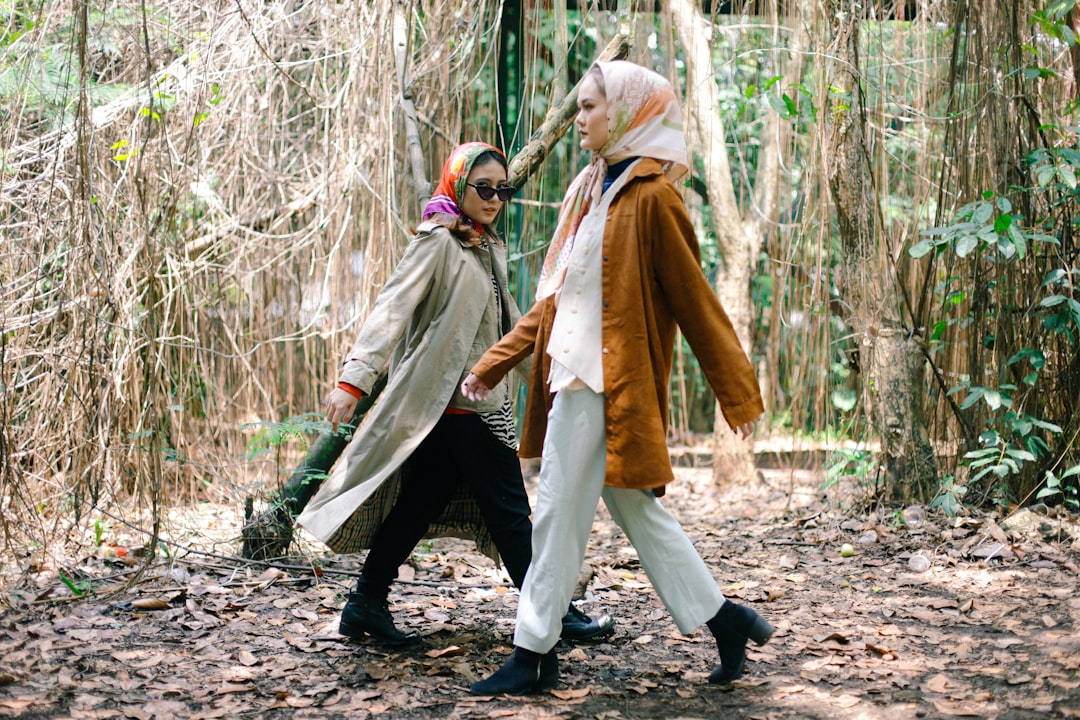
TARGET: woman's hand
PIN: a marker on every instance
(339, 407)
(474, 388)
(746, 429)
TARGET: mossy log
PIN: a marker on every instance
(268, 534)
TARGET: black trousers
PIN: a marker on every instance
(459, 449)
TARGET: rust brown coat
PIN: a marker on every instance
(652, 281)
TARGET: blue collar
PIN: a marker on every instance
(614, 171)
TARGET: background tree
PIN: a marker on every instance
(888, 354)
(739, 232)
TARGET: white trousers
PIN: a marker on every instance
(571, 484)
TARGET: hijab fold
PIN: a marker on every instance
(644, 120)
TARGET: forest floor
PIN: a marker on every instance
(977, 616)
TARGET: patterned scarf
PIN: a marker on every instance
(443, 206)
(644, 120)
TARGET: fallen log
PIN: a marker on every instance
(268, 534)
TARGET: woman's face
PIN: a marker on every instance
(493, 175)
(591, 119)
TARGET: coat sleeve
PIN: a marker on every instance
(524, 367)
(513, 348)
(675, 258)
(408, 286)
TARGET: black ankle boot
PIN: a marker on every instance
(578, 627)
(732, 626)
(525, 672)
(364, 613)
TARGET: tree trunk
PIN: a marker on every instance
(412, 129)
(889, 358)
(739, 241)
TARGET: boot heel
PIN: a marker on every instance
(548, 675)
(761, 631)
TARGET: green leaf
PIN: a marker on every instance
(920, 248)
(1020, 454)
(966, 244)
(1067, 175)
(982, 454)
(1018, 241)
(1052, 300)
(779, 105)
(1002, 223)
(1032, 355)
(983, 212)
(973, 397)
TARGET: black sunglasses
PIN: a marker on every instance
(486, 192)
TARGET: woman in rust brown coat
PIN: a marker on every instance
(621, 274)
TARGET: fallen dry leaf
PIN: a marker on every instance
(441, 652)
(376, 672)
(960, 709)
(152, 603)
(571, 693)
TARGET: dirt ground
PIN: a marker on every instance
(929, 618)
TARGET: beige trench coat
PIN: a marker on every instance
(432, 320)
(652, 281)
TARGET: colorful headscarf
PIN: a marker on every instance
(644, 120)
(443, 206)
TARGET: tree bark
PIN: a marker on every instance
(412, 128)
(739, 240)
(890, 360)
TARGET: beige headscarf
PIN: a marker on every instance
(644, 120)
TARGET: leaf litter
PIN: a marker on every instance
(984, 625)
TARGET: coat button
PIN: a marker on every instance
(606, 303)
(605, 258)
(605, 351)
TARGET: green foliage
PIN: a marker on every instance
(40, 70)
(950, 496)
(1054, 486)
(76, 588)
(270, 436)
(991, 234)
(856, 463)
(986, 225)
